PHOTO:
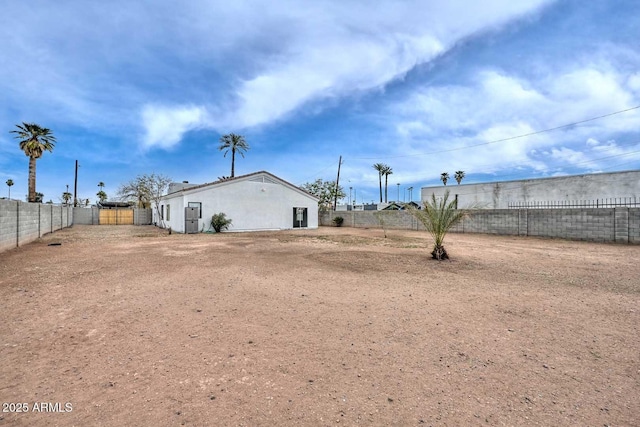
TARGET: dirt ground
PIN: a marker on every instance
(125, 325)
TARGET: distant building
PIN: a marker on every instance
(528, 192)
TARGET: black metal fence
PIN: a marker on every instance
(626, 202)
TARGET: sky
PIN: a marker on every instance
(425, 86)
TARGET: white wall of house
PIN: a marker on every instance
(257, 202)
(497, 195)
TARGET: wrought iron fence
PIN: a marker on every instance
(627, 202)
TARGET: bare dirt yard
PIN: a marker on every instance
(124, 325)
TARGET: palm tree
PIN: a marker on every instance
(380, 168)
(34, 141)
(444, 177)
(234, 143)
(387, 171)
(459, 176)
(66, 196)
(438, 216)
(9, 184)
(101, 195)
(101, 185)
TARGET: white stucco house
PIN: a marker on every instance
(257, 201)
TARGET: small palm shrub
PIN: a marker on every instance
(338, 221)
(438, 216)
(220, 222)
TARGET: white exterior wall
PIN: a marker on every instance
(250, 205)
(497, 195)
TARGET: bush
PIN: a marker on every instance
(220, 222)
(338, 221)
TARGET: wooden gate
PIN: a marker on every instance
(116, 216)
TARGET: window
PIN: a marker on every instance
(196, 205)
(161, 211)
(168, 213)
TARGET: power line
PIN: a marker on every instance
(504, 139)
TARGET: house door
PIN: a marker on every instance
(191, 220)
(299, 217)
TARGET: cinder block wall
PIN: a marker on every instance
(8, 224)
(22, 223)
(142, 216)
(86, 216)
(598, 225)
(634, 225)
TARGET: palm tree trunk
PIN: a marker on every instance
(380, 179)
(233, 162)
(32, 179)
(386, 184)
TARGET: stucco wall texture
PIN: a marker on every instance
(498, 195)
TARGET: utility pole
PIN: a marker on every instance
(75, 188)
(335, 200)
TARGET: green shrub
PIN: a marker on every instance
(338, 221)
(220, 222)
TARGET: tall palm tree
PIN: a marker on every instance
(387, 171)
(101, 185)
(438, 216)
(34, 141)
(9, 184)
(444, 177)
(380, 168)
(235, 143)
(459, 176)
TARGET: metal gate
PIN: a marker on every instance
(191, 220)
(116, 217)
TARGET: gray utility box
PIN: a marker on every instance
(191, 220)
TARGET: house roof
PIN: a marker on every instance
(226, 181)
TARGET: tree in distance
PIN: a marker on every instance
(380, 167)
(387, 171)
(146, 190)
(235, 143)
(66, 196)
(34, 141)
(9, 184)
(325, 191)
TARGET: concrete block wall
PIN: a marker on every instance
(8, 224)
(22, 223)
(498, 221)
(142, 217)
(595, 225)
(28, 222)
(46, 219)
(86, 216)
(368, 219)
(634, 226)
(620, 225)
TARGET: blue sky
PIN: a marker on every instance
(423, 86)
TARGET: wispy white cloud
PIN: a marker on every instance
(342, 49)
(497, 105)
(165, 126)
